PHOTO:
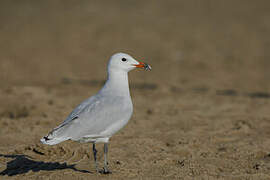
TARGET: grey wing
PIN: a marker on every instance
(88, 103)
(75, 113)
(97, 117)
(62, 131)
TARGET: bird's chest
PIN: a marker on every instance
(117, 115)
(118, 107)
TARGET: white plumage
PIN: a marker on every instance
(99, 117)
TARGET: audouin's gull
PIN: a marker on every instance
(99, 117)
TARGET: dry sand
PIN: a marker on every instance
(202, 113)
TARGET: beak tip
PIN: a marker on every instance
(144, 66)
(147, 67)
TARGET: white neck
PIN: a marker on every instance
(116, 84)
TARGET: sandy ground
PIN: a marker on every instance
(202, 113)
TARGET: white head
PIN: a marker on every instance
(124, 62)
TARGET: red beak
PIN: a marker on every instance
(140, 65)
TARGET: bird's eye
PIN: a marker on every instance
(124, 59)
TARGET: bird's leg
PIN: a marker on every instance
(105, 169)
(95, 156)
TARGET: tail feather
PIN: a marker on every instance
(53, 141)
(53, 137)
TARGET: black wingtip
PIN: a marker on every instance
(46, 138)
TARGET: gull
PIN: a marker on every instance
(97, 118)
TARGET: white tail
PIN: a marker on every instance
(53, 141)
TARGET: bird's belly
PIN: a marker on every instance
(104, 123)
(117, 125)
(105, 135)
(114, 128)
(93, 139)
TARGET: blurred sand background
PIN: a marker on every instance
(201, 113)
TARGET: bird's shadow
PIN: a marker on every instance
(21, 164)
